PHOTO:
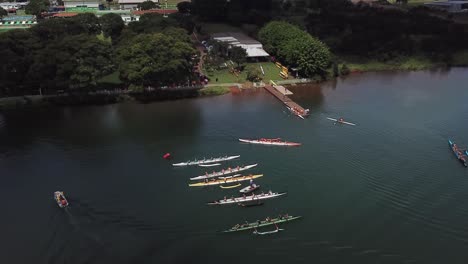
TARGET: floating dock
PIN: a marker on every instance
(282, 93)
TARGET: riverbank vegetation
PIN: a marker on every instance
(363, 37)
(72, 55)
(317, 39)
(214, 90)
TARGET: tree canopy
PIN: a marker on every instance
(3, 13)
(111, 25)
(36, 7)
(184, 7)
(295, 47)
(154, 60)
(70, 54)
(238, 55)
(147, 5)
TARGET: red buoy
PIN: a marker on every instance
(167, 156)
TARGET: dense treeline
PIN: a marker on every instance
(296, 48)
(385, 32)
(73, 54)
(381, 31)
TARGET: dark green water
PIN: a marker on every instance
(386, 191)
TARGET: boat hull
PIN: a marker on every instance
(251, 226)
(247, 199)
(249, 189)
(59, 197)
(202, 162)
(226, 180)
(460, 158)
(220, 173)
(258, 142)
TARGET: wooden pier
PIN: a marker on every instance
(282, 93)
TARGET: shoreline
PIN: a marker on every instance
(217, 89)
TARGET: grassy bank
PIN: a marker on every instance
(404, 64)
(214, 90)
(22, 102)
(225, 76)
(413, 63)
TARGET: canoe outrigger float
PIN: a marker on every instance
(205, 161)
(270, 142)
(60, 199)
(266, 222)
(247, 199)
(235, 178)
(458, 153)
(223, 172)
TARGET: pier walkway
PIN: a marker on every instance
(282, 93)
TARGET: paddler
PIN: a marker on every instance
(341, 120)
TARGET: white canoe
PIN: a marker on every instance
(249, 188)
(205, 161)
(341, 122)
(221, 173)
(270, 143)
(250, 198)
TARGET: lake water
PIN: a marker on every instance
(388, 190)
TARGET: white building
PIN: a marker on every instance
(132, 4)
(452, 6)
(253, 47)
(13, 5)
(70, 5)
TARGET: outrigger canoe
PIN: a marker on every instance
(270, 142)
(247, 199)
(205, 161)
(234, 178)
(458, 153)
(254, 225)
(223, 172)
(341, 122)
(60, 199)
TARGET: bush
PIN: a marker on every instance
(254, 74)
(345, 70)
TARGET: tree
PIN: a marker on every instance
(89, 21)
(184, 7)
(36, 7)
(345, 70)
(254, 74)
(155, 60)
(74, 62)
(112, 25)
(238, 55)
(16, 52)
(3, 13)
(275, 34)
(295, 47)
(308, 54)
(147, 5)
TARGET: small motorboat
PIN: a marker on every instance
(250, 188)
(60, 199)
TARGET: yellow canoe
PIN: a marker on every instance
(226, 180)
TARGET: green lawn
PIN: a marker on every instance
(112, 78)
(224, 76)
